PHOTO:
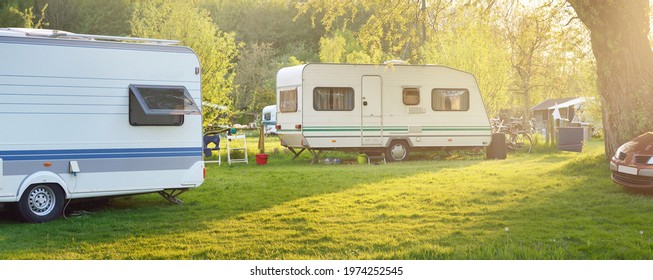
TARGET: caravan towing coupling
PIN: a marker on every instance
(87, 116)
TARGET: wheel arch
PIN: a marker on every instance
(405, 139)
(43, 177)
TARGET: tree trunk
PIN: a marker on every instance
(624, 64)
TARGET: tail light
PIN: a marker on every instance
(298, 126)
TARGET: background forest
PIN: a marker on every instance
(521, 52)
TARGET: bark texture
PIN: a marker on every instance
(619, 33)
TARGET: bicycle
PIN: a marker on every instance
(517, 139)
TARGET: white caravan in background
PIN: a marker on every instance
(269, 119)
(88, 116)
(379, 108)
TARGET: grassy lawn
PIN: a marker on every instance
(545, 205)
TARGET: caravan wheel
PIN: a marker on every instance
(397, 151)
(41, 203)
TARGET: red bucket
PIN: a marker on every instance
(261, 159)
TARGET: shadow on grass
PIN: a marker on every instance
(580, 214)
(228, 191)
(542, 217)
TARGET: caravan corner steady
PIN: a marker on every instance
(88, 116)
(379, 108)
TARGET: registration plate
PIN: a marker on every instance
(627, 169)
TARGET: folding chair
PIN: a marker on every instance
(212, 138)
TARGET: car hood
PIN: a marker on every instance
(641, 145)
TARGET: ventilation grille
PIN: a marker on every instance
(415, 110)
(632, 179)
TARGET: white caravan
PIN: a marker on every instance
(379, 108)
(88, 116)
(269, 119)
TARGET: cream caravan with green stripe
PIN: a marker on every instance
(391, 108)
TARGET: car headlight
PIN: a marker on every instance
(619, 155)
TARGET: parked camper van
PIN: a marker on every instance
(379, 108)
(87, 116)
(269, 119)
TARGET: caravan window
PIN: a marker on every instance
(450, 99)
(333, 99)
(288, 101)
(160, 105)
(411, 96)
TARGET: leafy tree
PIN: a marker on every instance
(273, 22)
(332, 49)
(530, 36)
(385, 29)
(343, 46)
(256, 79)
(8, 18)
(63, 14)
(185, 21)
(358, 57)
(474, 47)
(273, 38)
(108, 17)
(624, 62)
(17, 14)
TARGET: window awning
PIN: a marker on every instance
(165, 100)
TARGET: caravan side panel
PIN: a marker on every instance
(425, 125)
(332, 111)
(369, 107)
(66, 102)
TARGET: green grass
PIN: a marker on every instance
(546, 205)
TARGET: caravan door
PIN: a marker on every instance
(371, 117)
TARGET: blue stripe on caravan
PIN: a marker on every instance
(98, 153)
(26, 167)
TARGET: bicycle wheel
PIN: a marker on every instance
(510, 141)
(522, 142)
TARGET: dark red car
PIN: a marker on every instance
(632, 164)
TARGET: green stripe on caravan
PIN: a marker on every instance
(327, 129)
(388, 108)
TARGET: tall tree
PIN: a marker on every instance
(472, 45)
(193, 26)
(624, 63)
(529, 35)
(8, 16)
(385, 29)
(63, 14)
(256, 80)
(332, 49)
(272, 22)
(18, 14)
(109, 17)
